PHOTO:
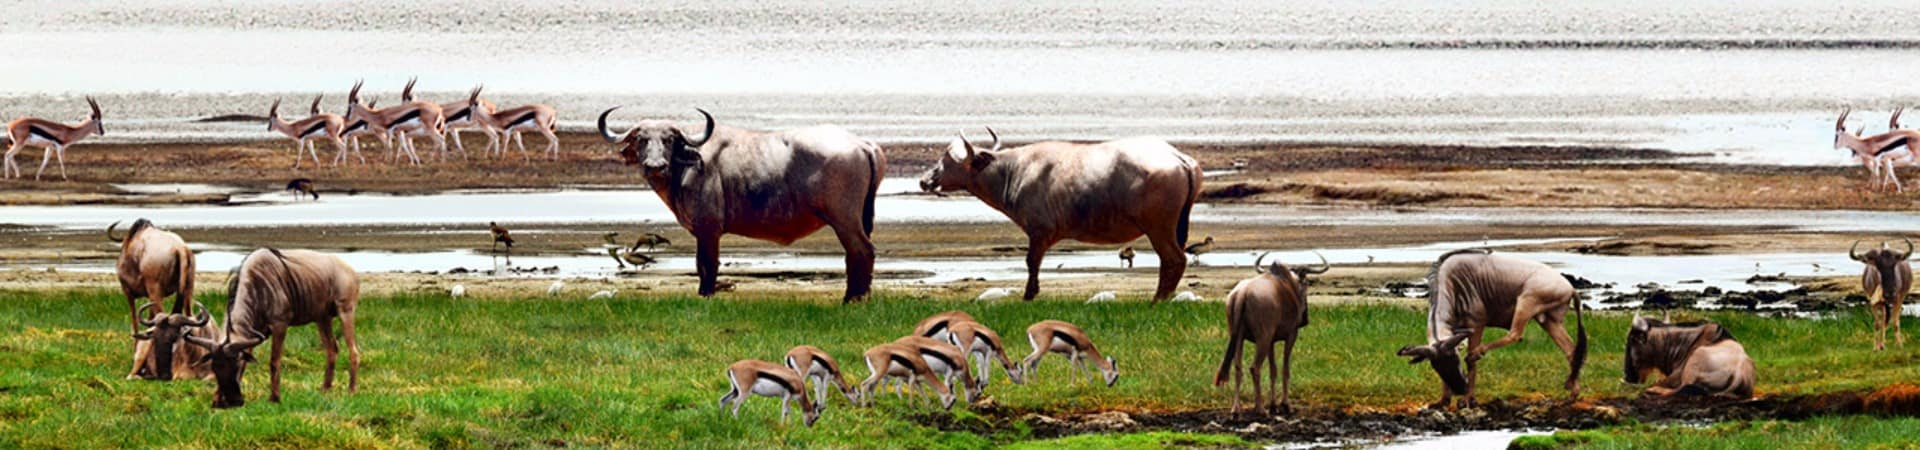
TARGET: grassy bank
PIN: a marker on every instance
(644, 372)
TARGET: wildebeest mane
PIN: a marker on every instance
(139, 224)
(1433, 273)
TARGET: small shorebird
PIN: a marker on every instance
(500, 235)
(651, 240)
(459, 290)
(1103, 296)
(302, 186)
(554, 289)
(637, 259)
(603, 294)
(1200, 249)
(994, 294)
(1126, 254)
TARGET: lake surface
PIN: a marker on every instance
(1747, 82)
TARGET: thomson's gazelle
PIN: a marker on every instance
(52, 137)
(946, 359)
(900, 361)
(318, 127)
(816, 365)
(756, 377)
(1066, 339)
(511, 122)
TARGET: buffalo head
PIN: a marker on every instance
(958, 165)
(163, 332)
(654, 145)
(228, 359)
(1445, 360)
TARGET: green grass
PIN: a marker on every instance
(645, 372)
(1820, 432)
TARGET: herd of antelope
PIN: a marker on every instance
(1882, 153)
(397, 126)
(785, 185)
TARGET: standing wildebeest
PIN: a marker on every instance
(1271, 306)
(1696, 359)
(271, 291)
(1106, 193)
(1888, 272)
(154, 264)
(777, 186)
(1470, 290)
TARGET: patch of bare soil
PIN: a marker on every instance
(1321, 423)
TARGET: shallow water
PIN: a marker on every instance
(1462, 440)
(1740, 81)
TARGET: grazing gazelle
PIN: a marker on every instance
(460, 117)
(894, 360)
(304, 132)
(511, 122)
(1053, 336)
(403, 122)
(756, 377)
(52, 137)
(945, 358)
(984, 345)
(816, 365)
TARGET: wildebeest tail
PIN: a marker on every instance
(1233, 343)
(874, 159)
(183, 264)
(1186, 207)
(1579, 343)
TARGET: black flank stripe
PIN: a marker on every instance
(817, 362)
(43, 134)
(460, 115)
(524, 118)
(937, 327)
(776, 380)
(410, 115)
(940, 356)
(990, 342)
(357, 125)
(902, 361)
(317, 126)
(1897, 143)
(1064, 337)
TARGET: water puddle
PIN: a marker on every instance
(176, 188)
(1464, 439)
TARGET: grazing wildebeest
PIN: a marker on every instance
(154, 264)
(776, 186)
(168, 331)
(1699, 358)
(1470, 290)
(1271, 306)
(1888, 273)
(1106, 193)
(755, 377)
(271, 291)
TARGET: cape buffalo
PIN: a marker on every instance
(1470, 290)
(777, 186)
(271, 291)
(1106, 193)
(1696, 358)
(154, 264)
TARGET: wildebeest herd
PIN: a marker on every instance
(784, 185)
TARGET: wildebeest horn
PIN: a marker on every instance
(1909, 252)
(406, 93)
(1841, 125)
(996, 139)
(604, 134)
(706, 135)
(1854, 251)
(353, 95)
(110, 235)
(1324, 266)
(201, 319)
(95, 105)
(255, 338)
(966, 143)
(205, 343)
(146, 317)
(1257, 268)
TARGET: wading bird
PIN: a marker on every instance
(500, 235)
(1126, 254)
(301, 186)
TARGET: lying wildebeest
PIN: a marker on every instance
(153, 264)
(271, 291)
(1470, 290)
(1698, 358)
(1271, 306)
(1888, 273)
(168, 331)
(1106, 193)
(777, 186)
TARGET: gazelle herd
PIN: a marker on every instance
(399, 126)
(935, 357)
(1881, 153)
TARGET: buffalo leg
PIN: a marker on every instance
(353, 351)
(1037, 246)
(707, 263)
(273, 365)
(1173, 263)
(332, 347)
(859, 248)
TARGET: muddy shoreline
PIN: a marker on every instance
(1359, 424)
